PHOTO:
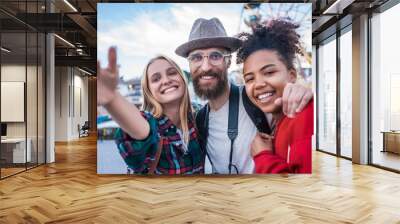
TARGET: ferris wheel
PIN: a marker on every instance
(253, 14)
(256, 13)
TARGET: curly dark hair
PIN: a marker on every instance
(277, 34)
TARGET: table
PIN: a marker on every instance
(18, 151)
(391, 141)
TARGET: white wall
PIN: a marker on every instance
(71, 94)
(33, 126)
(13, 73)
(80, 102)
(16, 73)
(61, 103)
(12, 101)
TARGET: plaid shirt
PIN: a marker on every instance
(139, 154)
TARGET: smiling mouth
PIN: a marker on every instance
(169, 89)
(207, 77)
(264, 97)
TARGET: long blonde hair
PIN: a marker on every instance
(150, 103)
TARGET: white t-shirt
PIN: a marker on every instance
(219, 144)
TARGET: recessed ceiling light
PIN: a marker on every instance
(70, 5)
(5, 50)
(86, 72)
(64, 40)
(338, 6)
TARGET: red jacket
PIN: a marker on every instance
(292, 145)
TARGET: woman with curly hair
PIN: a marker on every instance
(267, 56)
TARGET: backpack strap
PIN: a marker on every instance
(255, 114)
(154, 164)
(233, 121)
(232, 131)
(202, 125)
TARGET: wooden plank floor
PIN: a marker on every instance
(10, 171)
(70, 191)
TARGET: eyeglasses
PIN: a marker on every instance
(215, 58)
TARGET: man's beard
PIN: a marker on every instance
(210, 93)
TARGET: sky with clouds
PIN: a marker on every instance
(142, 30)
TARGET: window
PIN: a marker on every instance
(346, 93)
(22, 68)
(327, 96)
(385, 89)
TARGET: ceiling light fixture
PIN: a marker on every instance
(86, 72)
(71, 6)
(64, 40)
(79, 51)
(337, 7)
(5, 50)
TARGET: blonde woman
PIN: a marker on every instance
(161, 138)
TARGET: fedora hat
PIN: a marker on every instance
(208, 33)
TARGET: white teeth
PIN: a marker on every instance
(207, 77)
(263, 96)
(170, 89)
